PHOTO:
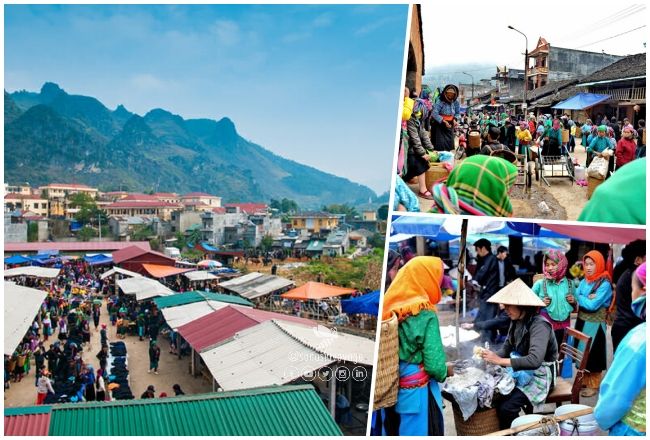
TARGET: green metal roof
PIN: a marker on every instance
(286, 410)
(316, 245)
(193, 296)
(27, 410)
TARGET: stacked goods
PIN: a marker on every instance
(437, 171)
(474, 139)
(118, 371)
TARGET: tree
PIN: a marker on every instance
(284, 206)
(377, 241)
(86, 233)
(194, 236)
(266, 243)
(88, 210)
(32, 231)
(142, 232)
(180, 240)
(382, 212)
(349, 211)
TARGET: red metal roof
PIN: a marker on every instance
(127, 253)
(124, 203)
(75, 246)
(27, 424)
(220, 210)
(248, 208)
(224, 323)
(166, 195)
(196, 194)
(23, 196)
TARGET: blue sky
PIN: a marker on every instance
(316, 84)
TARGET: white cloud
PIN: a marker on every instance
(323, 20)
(147, 82)
(295, 37)
(227, 32)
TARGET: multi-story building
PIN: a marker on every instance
(64, 190)
(27, 202)
(142, 205)
(315, 221)
(24, 189)
(181, 221)
(168, 197)
(198, 198)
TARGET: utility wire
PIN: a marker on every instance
(613, 36)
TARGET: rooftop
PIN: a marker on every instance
(628, 67)
(69, 185)
(316, 214)
(551, 87)
(197, 194)
(80, 246)
(248, 208)
(23, 196)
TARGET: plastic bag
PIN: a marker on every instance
(598, 168)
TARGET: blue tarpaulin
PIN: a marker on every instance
(98, 259)
(208, 247)
(17, 259)
(581, 101)
(368, 303)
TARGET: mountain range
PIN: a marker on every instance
(53, 136)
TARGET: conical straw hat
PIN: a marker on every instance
(517, 293)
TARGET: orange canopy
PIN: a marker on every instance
(314, 290)
(160, 271)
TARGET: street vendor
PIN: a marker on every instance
(419, 145)
(524, 138)
(444, 116)
(621, 404)
(598, 144)
(529, 346)
(553, 139)
(412, 297)
(594, 295)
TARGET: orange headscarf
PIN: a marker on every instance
(416, 287)
(601, 268)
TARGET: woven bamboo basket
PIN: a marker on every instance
(565, 135)
(592, 184)
(578, 132)
(482, 422)
(436, 172)
(387, 382)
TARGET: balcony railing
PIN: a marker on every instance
(627, 94)
(538, 71)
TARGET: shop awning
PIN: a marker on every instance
(581, 101)
(98, 259)
(21, 307)
(314, 290)
(598, 234)
(181, 315)
(199, 275)
(119, 270)
(17, 259)
(143, 288)
(368, 303)
(193, 296)
(33, 271)
(254, 285)
(161, 271)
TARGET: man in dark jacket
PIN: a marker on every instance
(508, 135)
(487, 276)
(507, 271)
(633, 255)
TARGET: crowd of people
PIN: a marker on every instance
(525, 326)
(479, 184)
(58, 347)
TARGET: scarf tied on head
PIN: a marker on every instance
(601, 268)
(560, 259)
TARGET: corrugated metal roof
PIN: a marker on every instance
(21, 307)
(287, 411)
(181, 315)
(77, 246)
(334, 344)
(199, 275)
(143, 288)
(218, 326)
(32, 421)
(255, 284)
(161, 271)
(193, 296)
(128, 253)
(119, 270)
(262, 355)
(33, 271)
(315, 290)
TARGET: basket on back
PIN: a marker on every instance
(387, 373)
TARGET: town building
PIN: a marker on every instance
(625, 84)
(315, 221)
(198, 199)
(168, 197)
(336, 244)
(181, 221)
(14, 231)
(509, 84)
(24, 189)
(550, 63)
(27, 203)
(415, 62)
(64, 190)
(142, 205)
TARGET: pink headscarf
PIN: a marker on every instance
(562, 264)
(631, 129)
(640, 273)
(556, 124)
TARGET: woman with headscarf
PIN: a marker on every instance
(621, 404)
(586, 130)
(553, 139)
(529, 346)
(599, 143)
(524, 137)
(479, 185)
(557, 293)
(594, 295)
(625, 147)
(412, 298)
(444, 116)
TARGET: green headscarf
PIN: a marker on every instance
(483, 182)
(602, 128)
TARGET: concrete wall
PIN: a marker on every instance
(415, 64)
(568, 63)
(14, 232)
(43, 230)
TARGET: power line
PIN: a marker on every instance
(613, 36)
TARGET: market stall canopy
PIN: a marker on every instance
(368, 304)
(216, 327)
(599, 234)
(193, 296)
(314, 290)
(334, 344)
(254, 285)
(17, 259)
(181, 315)
(21, 307)
(98, 259)
(262, 355)
(209, 263)
(143, 288)
(400, 237)
(33, 271)
(119, 270)
(581, 101)
(293, 410)
(199, 275)
(160, 271)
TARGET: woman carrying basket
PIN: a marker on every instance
(529, 347)
(412, 297)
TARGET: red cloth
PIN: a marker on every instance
(625, 150)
